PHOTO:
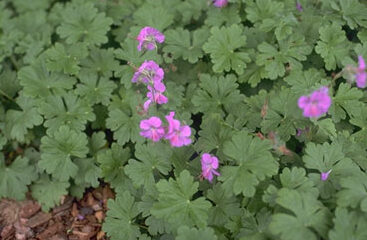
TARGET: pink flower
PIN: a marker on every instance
(149, 72)
(152, 128)
(148, 37)
(155, 96)
(299, 7)
(208, 165)
(177, 135)
(361, 73)
(220, 3)
(325, 175)
(316, 104)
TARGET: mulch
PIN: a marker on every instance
(73, 219)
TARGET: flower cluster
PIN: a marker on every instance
(299, 6)
(324, 175)
(209, 164)
(315, 104)
(360, 73)
(220, 3)
(178, 135)
(151, 74)
(148, 38)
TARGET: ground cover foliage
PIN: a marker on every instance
(70, 115)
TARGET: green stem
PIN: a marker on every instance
(14, 62)
(6, 95)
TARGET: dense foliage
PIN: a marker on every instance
(254, 126)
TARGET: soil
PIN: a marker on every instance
(73, 219)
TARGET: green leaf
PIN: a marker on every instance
(255, 104)
(82, 22)
(223, 16)
(97, 142)
(224, 206)
(252, 163)
(325, 157)
(354, 192)
(213, 134)
(15, 177)
(223, 46)
(66, 59)
(283, 115)
(95, 89)
(17, 122)
(186, 233)
(175, 204)
(88, 172)
(351, 149)
(346, 102)
(251, 226)
(348, 225)
(37, 81)
(182, 43)
(123, 119)
(191, 9)
(154, 16)
(153, 158)
(305, 216)
(9, 84)
(120, 218)
(294, 179)
(49, 192)
(101, 62)
(326, 130)
(216, 94)
(290, 51)
(353, 13)
(328, 157)
(112, 163)
(333, 46)
(303, 82)
(57, 150)
(68, 109)
(253, 74)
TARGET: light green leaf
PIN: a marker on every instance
(57, 150)
(95, 89)
(332, 46)
(49, 192)
(252, 163)
(17, 122)
(112, 163)
(217, 94)
(175, 203)
(120, 218)
(66, 59)
(15, 177)
(68, 109)
(153, 158)
(82, 22)
(186, 233)
(223, 46)
(354, 192)
(305, 216)
(348, 225)
(182, 43)
(346, 102)
(37, 81)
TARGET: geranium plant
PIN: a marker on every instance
(238, 119)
